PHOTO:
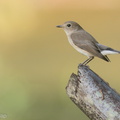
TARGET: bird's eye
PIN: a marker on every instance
(68, 25)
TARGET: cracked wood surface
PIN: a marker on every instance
(93, 95)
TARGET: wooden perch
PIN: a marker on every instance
(93, 95)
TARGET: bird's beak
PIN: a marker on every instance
(59, 26)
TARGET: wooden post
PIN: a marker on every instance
(93, 95)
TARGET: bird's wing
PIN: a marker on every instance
(85, 41)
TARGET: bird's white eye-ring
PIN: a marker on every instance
(68, 25)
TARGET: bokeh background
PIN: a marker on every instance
(36, 59)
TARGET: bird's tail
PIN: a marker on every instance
(110, 51)
(117, 51)
(107, 50)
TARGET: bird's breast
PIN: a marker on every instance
(79, 49)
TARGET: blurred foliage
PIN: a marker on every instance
(36, 59)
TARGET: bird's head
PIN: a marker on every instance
(70, 27)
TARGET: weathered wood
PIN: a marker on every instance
(93, 95)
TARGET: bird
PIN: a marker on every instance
(85, 43)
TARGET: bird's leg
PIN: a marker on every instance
(87, 61)
(91, 58)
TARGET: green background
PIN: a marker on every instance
(36, 59)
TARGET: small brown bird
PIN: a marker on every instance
(84, 43)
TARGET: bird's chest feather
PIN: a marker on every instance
(78, 48)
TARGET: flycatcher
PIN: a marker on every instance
(85, 43)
